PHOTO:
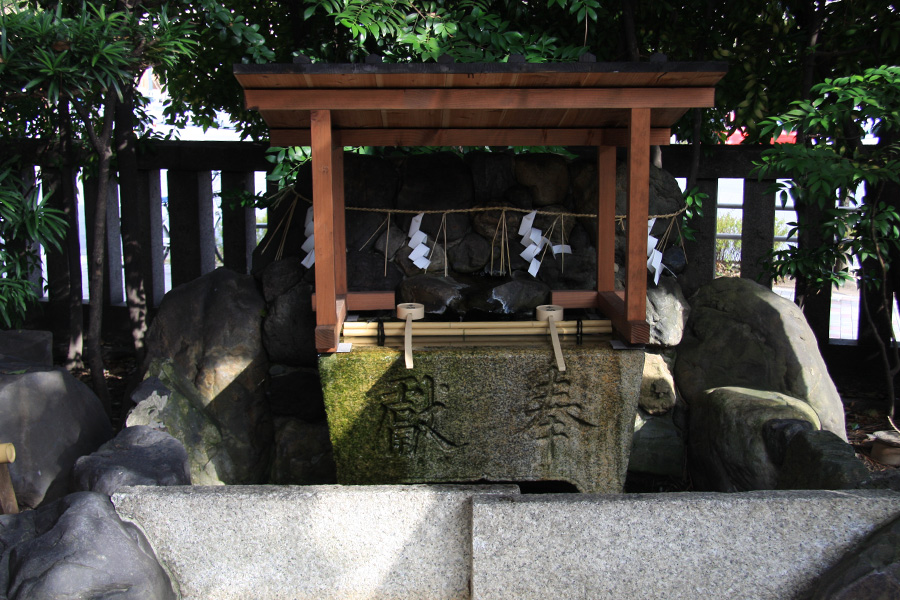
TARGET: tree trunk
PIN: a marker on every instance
(102, 144)
(74, 358)
(133, 219)
(816, 303)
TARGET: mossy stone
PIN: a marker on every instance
(482, 414)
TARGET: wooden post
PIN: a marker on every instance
(8, 504)
(606, 219)
(340, 229)
(323, 159)
(636, 227)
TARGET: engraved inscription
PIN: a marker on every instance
(553, 416)
(410, 417)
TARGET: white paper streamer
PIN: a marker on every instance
(417, 238)
(309, 260)
(309, 244)
(562, 249)
(527, 222)
(422, 262)
(418, 252)
(654, 265)
(416, 223)
(533, 267)
(529, 252)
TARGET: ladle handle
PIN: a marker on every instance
(557, 349)
(407, 341)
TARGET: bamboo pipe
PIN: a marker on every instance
(530, 341)
(542, 325)
(478, 332)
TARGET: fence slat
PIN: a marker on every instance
(701, 252)
(757, 230)
(238, 223)
(150, 235)
(191, 234)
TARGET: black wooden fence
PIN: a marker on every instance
(189, 170)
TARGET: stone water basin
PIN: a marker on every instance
(483, 413)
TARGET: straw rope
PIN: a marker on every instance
(280, 195)
(448, 211)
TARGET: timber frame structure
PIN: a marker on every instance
(606, 105)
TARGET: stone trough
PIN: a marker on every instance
(491, 413)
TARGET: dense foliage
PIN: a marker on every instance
(775, 51)
(25, 222)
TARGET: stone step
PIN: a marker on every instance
(446, 541)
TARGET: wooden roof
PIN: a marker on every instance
(465, 104)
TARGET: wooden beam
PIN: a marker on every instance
(359, 301)
(606, 219)
(470, 137)
(574, 298)
(612, 305)
(478, 99)
(637, 211)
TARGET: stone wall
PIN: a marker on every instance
(466, 246)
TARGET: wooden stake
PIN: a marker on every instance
(8, 504)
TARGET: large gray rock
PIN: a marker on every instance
(136, 456)
(444, 182)
(658, 394)
(366, 271)
(492, 173)
(667, 312)
(546, 175)
(295, 392)
(657, 446)
(470, 254)
(742, 334)
(303, 454)
(205, 345)
(518, 296)
(437, 294)
(289, 326)
(727, 449)
(52, 419)
(77, 548)
(820, 460)
(870, 572)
